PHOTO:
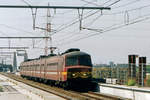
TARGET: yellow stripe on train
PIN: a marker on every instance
(64, 73)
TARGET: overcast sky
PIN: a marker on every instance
(123, 30)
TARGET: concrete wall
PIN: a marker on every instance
(134, 93)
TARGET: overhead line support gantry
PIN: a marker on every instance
(14, 48)
(54, 7)
(23, 37)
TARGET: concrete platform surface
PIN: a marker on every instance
(13, 96)
(132, 92)
(13, 90)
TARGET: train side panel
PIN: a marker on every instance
(52, 71)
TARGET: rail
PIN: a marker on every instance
(66, 94)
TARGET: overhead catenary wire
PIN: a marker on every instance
(26, 2)
(126, 4)
(76, 21)
(65, 27)
(106, 2)
(100, 16)
(88, 2)
(21, 30)
(34, 13)
(137, 20)
(139, 8)
(129, 10)
(93, 19)
(14, 28)
(97, 17)
(71, 35)
(114, 3)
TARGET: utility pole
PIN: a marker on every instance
(14, 62)
(48, 31)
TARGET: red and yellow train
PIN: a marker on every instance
(69, 67)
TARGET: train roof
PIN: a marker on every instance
(69, 52)
(74, 53)
(41, 56)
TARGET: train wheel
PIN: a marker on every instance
(65, 85)
(45, 81)
(52, 83)
(40, 80)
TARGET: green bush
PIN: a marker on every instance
(148, 82)
(131, 82)
(1, 89)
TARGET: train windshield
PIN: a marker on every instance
(84, 60)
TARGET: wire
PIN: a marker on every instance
(26, 3)
(107, 2)
(10, 27)
(3, 33)
(76, 21)
(69, 25)
(95, 19)
(90, 2)
(120, 12)
(114, 3)
(127, 4)
(109, 29)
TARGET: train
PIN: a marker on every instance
(72, 66)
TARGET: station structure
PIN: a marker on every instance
(132, 68)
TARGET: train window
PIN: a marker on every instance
(52, 66)
(72, 61)
(38, 68)
(42, 64)
(84, 60)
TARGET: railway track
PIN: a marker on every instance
(66, 94)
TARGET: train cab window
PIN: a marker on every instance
(84, 60)
(72, 61)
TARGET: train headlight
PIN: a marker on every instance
(84, 74)
(73, 74)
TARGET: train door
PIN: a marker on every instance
(32, 68)
(45, 69)
(60, 68)
(42, 68)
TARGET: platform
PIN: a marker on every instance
(13, 90)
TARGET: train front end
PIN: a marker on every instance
(78, 66)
